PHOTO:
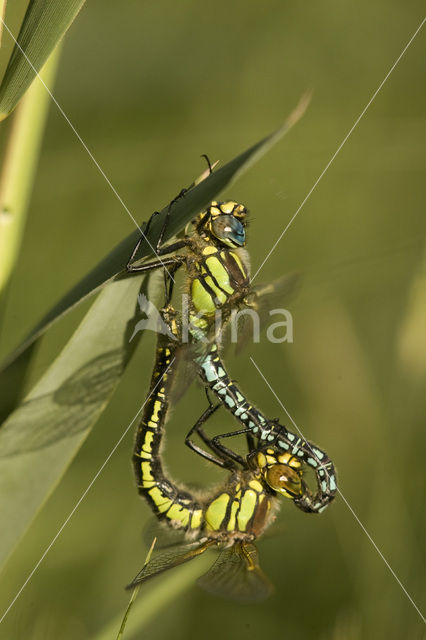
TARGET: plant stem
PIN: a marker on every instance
(19, 166)
(2, 14)
(155, 598)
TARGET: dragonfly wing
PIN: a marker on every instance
(236, 574)
(263, 299)
(168, 559)
(186, 372)
(165, 536)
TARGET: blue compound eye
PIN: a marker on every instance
(229, 230)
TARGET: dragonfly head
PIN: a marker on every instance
(284, 480)
(224, 223)
(281, 471)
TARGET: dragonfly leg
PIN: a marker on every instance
(221, 449)
(197, 428)
(144, 236)
(250, 441)
(166, 219)
(182, 193)
(163, 228)
(157, 264)
(228, 458)
(159, 250)
(209, 164)
(228, 452)
(169, 282)
(213, 443)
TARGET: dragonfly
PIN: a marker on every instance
(228, 518)
(216, 264)
(271, 434)
(217, 279)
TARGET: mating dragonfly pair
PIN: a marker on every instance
(232, 517)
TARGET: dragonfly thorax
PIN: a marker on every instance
(218, 280)
(241, 510)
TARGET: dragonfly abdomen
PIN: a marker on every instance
(216, 378)
(166, 500)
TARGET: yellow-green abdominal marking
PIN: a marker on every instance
(230, 508)
(234, 514)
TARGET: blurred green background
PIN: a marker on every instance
(150, 87)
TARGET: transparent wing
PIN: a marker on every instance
(165, 536)
(170, 558)
(236, 574)
(186, 372)
(263, 299)
(268, 295)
